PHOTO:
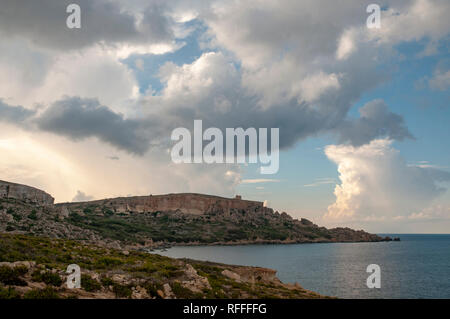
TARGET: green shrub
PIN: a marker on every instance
(20, 270)
(109, 213)
(184, 293)
(9, 293)
(65, 258)
(122, 291)
(152, 289)
(11, 276)
(147, 268)
(108, 261)
(75, 218)
(46, 293)
(33, 215)
(106, 281)
(90, 284)
(167, 273)
(47, 277)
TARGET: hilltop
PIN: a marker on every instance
(160, 220)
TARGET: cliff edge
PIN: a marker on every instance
(25, 193)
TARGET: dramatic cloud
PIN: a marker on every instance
(376, 183)
(375, 121)
(103, 21)
(281, 44)
(41, 56)
(269, 69)
(79, 119)
(209, 89)
(296, 65)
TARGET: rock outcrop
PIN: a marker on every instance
(25, 193)
(194, 281)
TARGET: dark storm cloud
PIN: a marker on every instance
(78, 119)
(44, 23)
(14, 114)
(375, 121)
(297, 120)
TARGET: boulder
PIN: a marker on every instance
(194, 282)
(231, 275)
(168, 293)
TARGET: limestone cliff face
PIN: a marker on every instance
(25, 193)
(187, 203)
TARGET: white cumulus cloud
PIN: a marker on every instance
(377, 183)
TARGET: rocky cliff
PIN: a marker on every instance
(161, 220)
(186, 203)
(196, 219)
(25, 193)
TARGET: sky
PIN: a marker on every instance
(363, 113)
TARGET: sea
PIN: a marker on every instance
(417, 266)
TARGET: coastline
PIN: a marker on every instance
(39, 272)
(167, 245)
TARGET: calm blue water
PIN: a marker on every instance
(416, 267)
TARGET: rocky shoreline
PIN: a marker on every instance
(39, 272)
(115, 247)
(165, 246)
